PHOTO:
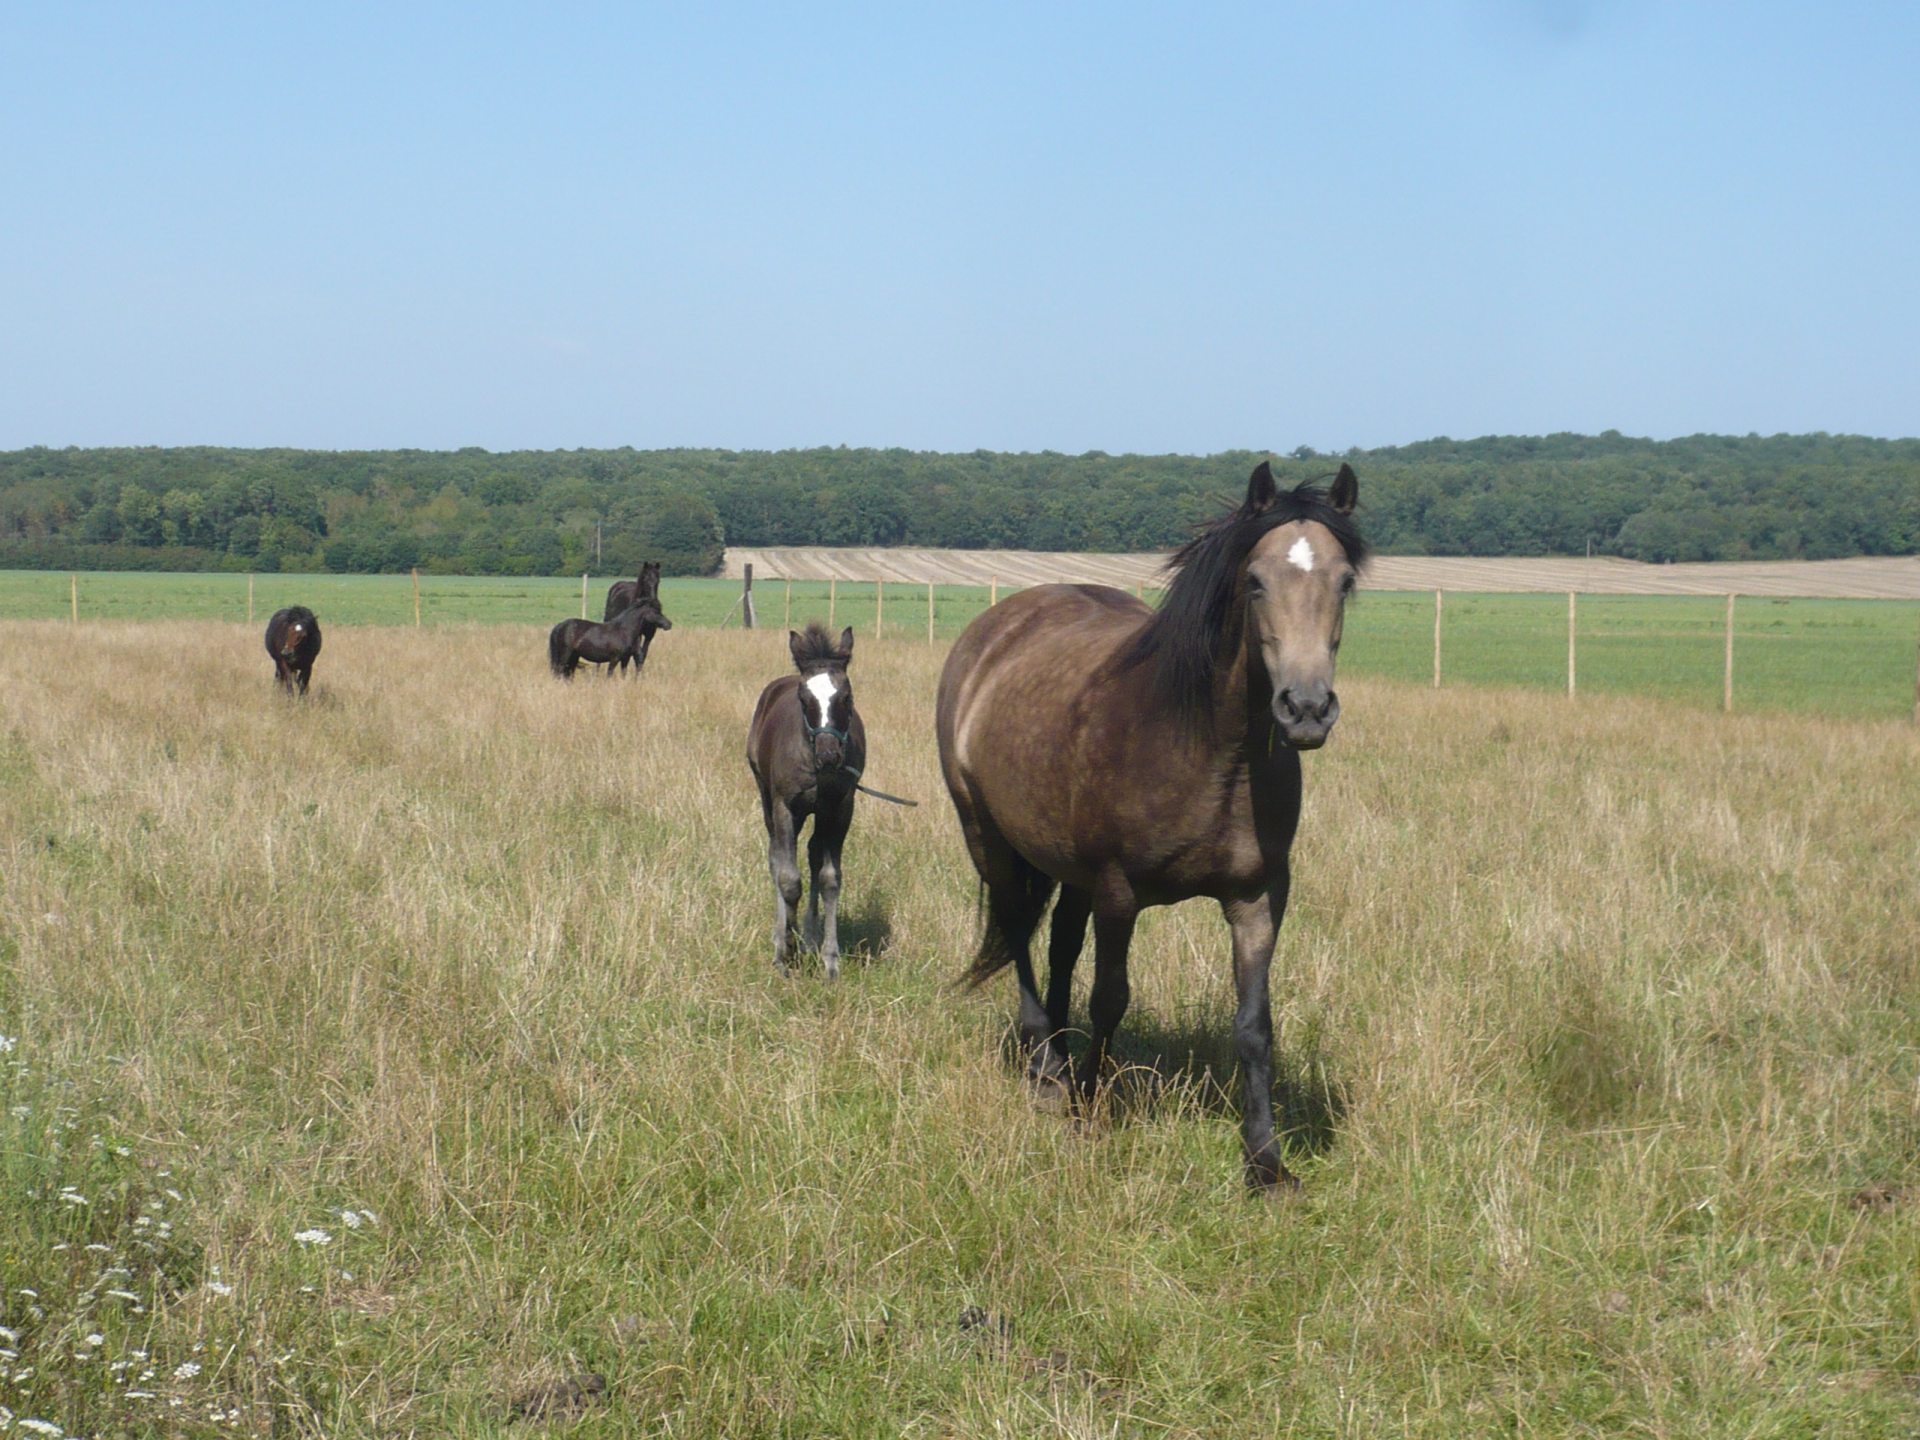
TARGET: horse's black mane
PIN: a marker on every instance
(817, 648)
(1197, 623)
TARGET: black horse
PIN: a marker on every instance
(293, 640)
(603, 642)
(1131, 758)
(806, 748)
(627, 592)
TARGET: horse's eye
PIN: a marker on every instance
(1346, 586)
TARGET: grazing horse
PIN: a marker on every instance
(806, 747)
(625, 593)
(601, 642)
(1135, 758)
(293, 640)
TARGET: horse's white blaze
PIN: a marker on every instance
(1301, 555)
(820, 687)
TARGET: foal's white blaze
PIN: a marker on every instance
(820, 687)
(1301, 555)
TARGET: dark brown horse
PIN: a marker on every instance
(625, 593)
(293, 640)
(806, 747)
(602, 642)
(1135, 758)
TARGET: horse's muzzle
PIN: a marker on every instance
(1305, 716)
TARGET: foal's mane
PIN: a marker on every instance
(1197, 624)
(818, 649)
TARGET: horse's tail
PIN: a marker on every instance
(1012, 915)
(559, 653)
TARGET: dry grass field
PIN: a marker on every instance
(1862, 578)
(409, 1062)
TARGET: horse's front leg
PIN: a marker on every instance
(823, 859)
(782, 830)
(1256, 924)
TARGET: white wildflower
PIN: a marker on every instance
(95, 1339)
(12, 1337)
(186, 1370)
(72, 1197)
(41, 1427)
(313, 1237)
(351, 1219)
(7, 1042)
(218, 1288)
(140, 1394)
(98, 1249)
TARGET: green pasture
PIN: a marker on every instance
(1852, 658)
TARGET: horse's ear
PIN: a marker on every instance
(793, 645)
(1261, 491)
(846, 643)
(1346, 490)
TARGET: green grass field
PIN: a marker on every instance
(370, 1063)
(1832, 657)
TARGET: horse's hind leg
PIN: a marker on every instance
(782, 833)
(1114, 911)
(1068, 934)
(1014, 908)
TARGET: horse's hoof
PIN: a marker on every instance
(1270, 1180)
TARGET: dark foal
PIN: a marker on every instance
(806, 747)
(602, 642)
(293, 640)
(628, 592)
(1133, 758)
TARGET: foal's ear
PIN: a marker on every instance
(846, 643)
(1346, 490)
(1261, 491)
(793, 645)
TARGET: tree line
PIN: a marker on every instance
(548, 512)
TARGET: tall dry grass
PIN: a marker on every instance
(1599, 1022)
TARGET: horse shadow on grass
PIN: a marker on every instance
(1153, 1064)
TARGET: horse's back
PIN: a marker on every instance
(1040, 648)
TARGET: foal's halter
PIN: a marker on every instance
(852, 773)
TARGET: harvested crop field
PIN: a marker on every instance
(1860, 578)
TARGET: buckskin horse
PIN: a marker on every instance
(624, 593)
(293, 640)
(602, 642)
(1134, 758)
(807, 747)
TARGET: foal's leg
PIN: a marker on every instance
(1068, 934)
(782, 830)
(823, 859)
(1256, 924)
(1114, 911)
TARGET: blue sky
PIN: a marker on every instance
(1072, 227)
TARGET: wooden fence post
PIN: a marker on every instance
(249, 599)
(786, 616)
(583, 597)
(1570, 651)
(1916, 685)
(746, 598)
(833, 594)
(993, 591)
(930, 621)
(879, 606)
(1727, 699)
(416, 597)
(1437, 604)
(73, 595)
